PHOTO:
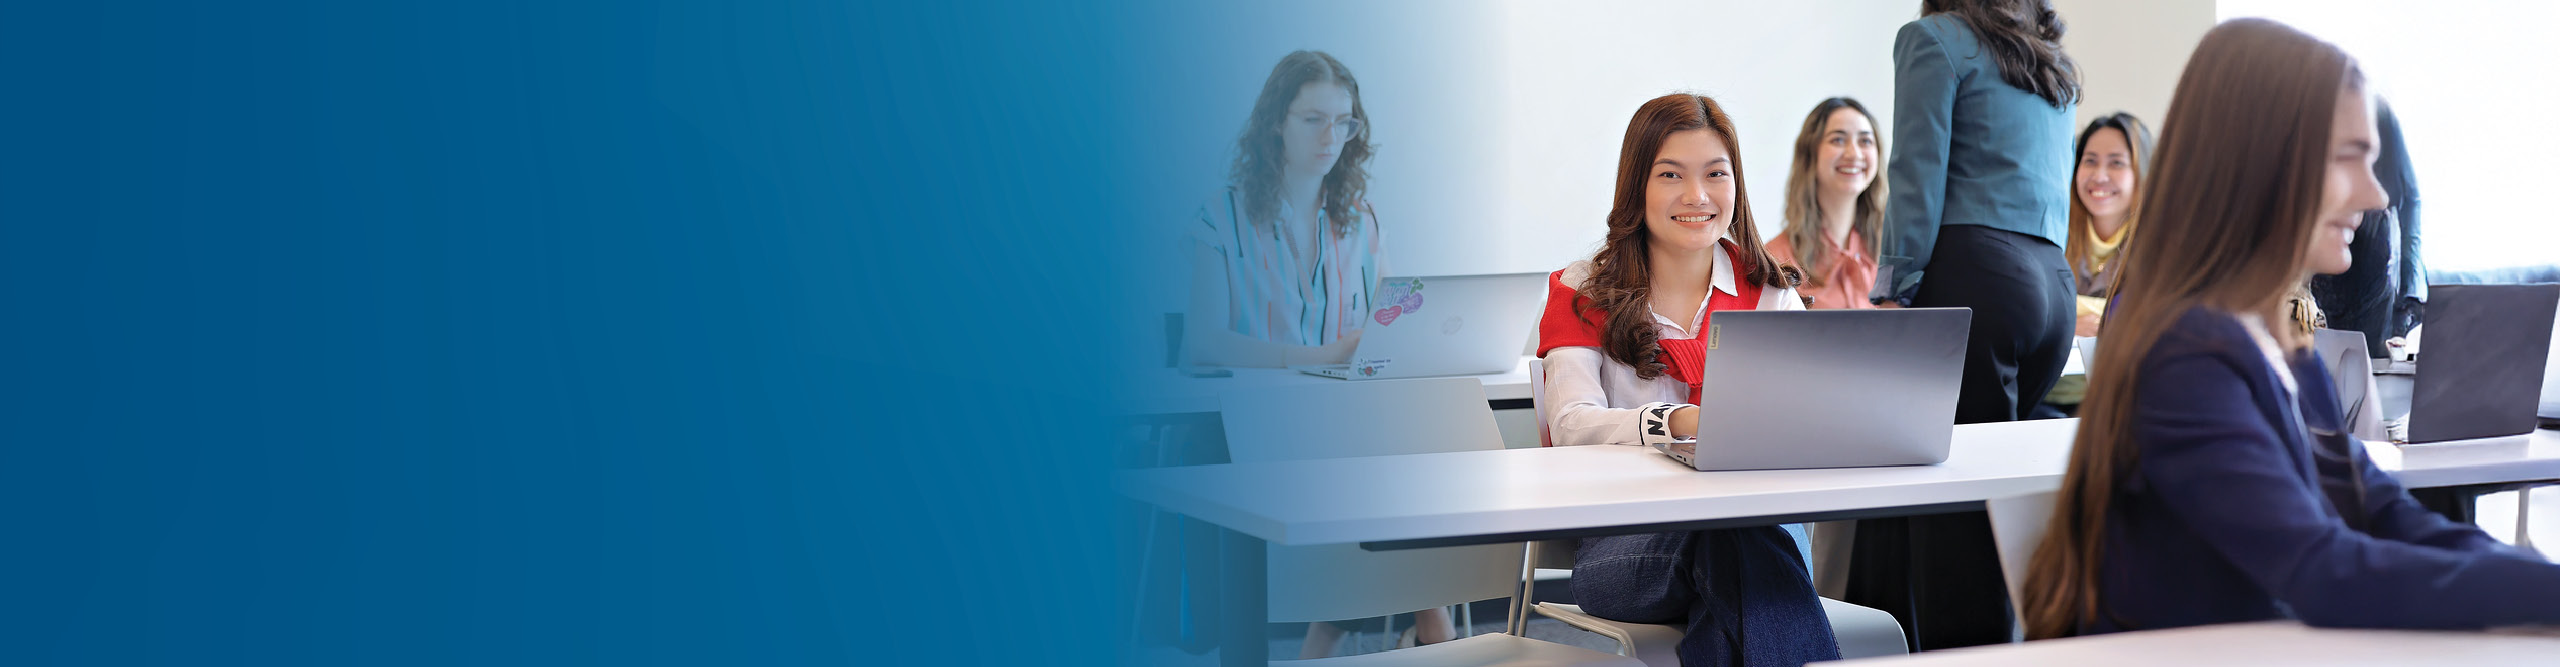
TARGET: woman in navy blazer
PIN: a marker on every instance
(2212, 481)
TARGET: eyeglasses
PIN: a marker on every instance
(1343, 130)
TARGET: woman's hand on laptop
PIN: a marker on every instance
(1684, 422)
(1337, 352)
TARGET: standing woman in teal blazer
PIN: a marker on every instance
(1981, 173)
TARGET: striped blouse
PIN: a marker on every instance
(1275, 295)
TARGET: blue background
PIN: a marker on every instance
(558, 333)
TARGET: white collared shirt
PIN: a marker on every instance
(2256, 325)
(1594, 400)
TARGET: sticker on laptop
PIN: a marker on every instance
(1402, 298)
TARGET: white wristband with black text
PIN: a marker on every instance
(1653, 426)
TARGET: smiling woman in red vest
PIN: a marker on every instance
(1620, 339)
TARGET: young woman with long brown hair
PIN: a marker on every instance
(1835, 204)
(1621, 341)
(2211, 480)
(1283, 259)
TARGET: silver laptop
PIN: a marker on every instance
(2550, 409)
(1422, 326)
(2359, 402)
(1828, 389)
(2481, 363)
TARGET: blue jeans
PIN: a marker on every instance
(1743, 593)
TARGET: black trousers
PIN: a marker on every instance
(2019, 288)
(1940, 575)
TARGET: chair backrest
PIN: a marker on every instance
(1538, 400)
(1372, 418)
(2017, 525)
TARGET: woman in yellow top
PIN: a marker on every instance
(2105, 205)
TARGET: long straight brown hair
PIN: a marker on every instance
(2137, 137)
(2228, 212)
(1621, 283)
(1804, 204)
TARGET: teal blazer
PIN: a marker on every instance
(1968, 149)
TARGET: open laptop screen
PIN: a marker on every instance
(2481, 365)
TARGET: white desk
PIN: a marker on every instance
(1541, 493)
(2521, 458)
(1517, 495)
(1162, 391)
(2266, 643)
(1483, 497)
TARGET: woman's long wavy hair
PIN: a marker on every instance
(1260, 155)
(2229, 212)
(1621, 284)
(2025, 39)
(2137, 136)
(1804, 203)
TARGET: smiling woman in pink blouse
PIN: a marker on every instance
(1835, 204)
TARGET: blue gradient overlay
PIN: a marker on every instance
(560, 333)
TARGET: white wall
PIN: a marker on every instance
(2469, 83)
(2456, 73)
(2131, 53)
(1578, 72)
(1498, 123)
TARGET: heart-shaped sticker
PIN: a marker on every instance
(1412, 302)
(1387, 315)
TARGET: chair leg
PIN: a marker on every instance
(2524, 525)
(1147, 544)
(1517, 622)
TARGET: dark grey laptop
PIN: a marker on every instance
(2480, 361)
(1828, 388)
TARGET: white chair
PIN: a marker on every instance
(1329, 582)
(1863, 632)
(2017, 524)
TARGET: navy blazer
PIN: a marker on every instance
(2245, 506)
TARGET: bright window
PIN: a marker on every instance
(2471, 84)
